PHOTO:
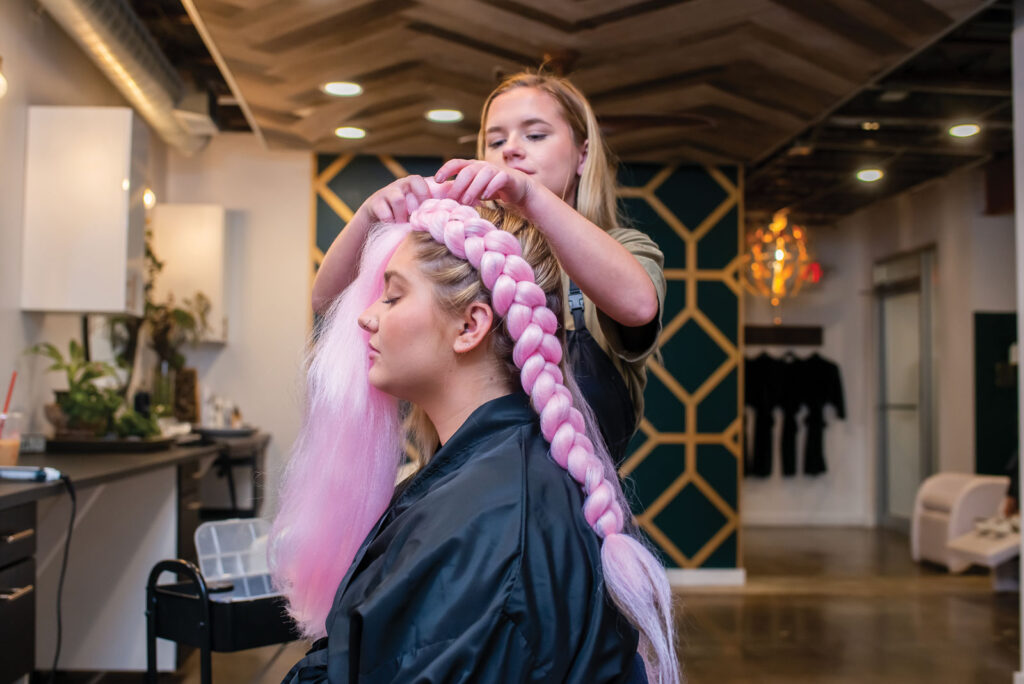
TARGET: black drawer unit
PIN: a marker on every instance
(17, 533)
(17, 591)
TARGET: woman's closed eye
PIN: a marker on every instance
(495, 144)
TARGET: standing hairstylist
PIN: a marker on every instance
(541, 152)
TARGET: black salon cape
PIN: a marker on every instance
(483, 569)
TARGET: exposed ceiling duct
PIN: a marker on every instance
(115, 38)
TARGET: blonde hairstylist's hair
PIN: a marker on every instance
(595, 194)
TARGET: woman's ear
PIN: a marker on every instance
(476, 323)
(583, 157)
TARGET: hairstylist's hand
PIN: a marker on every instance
(479, 180)
(394, 202)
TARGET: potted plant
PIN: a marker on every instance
(88, 408)
(169, 326)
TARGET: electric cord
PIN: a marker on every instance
(63, 570)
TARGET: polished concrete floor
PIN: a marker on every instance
(838, 606)
(821, 605)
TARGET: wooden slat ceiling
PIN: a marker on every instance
(731, 80)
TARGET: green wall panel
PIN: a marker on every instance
(691, 356)
(644, 217)
(691, 194)
(721, 306)
(687, 517)
(718, 247)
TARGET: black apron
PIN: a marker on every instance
(600, 382)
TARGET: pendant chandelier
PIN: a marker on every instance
(777, 263)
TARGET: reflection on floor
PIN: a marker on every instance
(821, 606)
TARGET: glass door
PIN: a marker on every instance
(906, 399)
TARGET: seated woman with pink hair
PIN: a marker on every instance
(510, 555)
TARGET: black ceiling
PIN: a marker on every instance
(966, 76)
(169, 24)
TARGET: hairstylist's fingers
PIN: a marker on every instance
(382, 210)
(400, 209)
(394, 194)
(498, 183)
(451, 168)
(480, 181)
(419, 189)
(442, 190)
(411, 203)
(462, 181)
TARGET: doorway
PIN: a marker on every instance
(904, 295)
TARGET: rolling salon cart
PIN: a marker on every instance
(226, 604)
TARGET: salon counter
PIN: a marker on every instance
(87, 470)
(132, 511)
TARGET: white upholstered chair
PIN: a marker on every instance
(947, 506)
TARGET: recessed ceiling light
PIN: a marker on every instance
(149, 198)
(870, 125)
(893, 96)
(964, 130)
(342, 88)
(350, 132)
(870, 175)
(445, 115)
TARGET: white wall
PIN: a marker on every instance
(43, 66)
(267, 197)
(841, 305)
(975, 272)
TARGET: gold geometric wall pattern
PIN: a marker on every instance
(684, 467)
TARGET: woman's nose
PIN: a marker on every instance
(511, 149)
(368, 321)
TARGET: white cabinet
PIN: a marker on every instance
(84, 230)
(190, 240)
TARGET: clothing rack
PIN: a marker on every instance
(784, 335)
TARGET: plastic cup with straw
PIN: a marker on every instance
(9, 445)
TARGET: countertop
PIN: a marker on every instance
(87, 470)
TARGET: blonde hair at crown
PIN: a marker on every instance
(595, 193)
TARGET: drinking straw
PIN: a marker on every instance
(7, 402)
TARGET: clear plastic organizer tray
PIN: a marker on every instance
(235, 552)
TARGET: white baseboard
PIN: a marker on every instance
(1018, 678)
(707, 577)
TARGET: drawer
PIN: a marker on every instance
(17, 620)
(17, 533)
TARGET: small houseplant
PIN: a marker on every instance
(88, 408)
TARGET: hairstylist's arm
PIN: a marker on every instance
(605, 270)
(391, 204)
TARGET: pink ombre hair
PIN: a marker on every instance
(341, 478)
(342, 469)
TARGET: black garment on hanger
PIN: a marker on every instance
(761, 391)
(821, 384)
(792, 389)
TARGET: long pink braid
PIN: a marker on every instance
(635, 579)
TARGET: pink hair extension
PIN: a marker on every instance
(342, 469)
(635, 579)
